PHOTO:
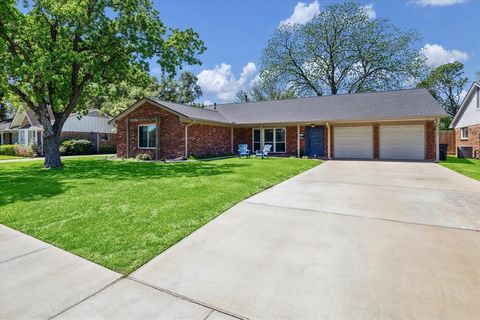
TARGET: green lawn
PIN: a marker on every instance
(4, 157)
(121, 214)
(467, 167)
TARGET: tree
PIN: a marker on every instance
(124, 93)
(184, 90)
(264, 90)
(342, 50)
(58, 54)
(446, 83)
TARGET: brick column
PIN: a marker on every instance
(376, 141)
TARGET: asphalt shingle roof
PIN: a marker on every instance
(401, 104)
(404, 104)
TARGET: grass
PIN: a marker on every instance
(4, 157)
(467, 167)
(121, 214)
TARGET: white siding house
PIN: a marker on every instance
(94, 121)
(467, 124)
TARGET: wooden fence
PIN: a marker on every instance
(448, 137)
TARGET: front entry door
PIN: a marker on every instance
(314, 142)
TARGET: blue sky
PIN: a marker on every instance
(235, 32)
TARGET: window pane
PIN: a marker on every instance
(256, 135)
(142, 139)
(280, 147)
(268, 136)
(256, 146)
(152, 136)
(280, 135)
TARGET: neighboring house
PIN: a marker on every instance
(467, 124)
(383, 125)
(24, 129)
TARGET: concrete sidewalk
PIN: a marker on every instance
(39, 281)
(63, 157)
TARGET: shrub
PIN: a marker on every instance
(22, 151)
(107, 150)
(76, 147)
(7, 149)
(143, 157)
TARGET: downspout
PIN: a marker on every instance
(186, 138)
(328, 141)
(437, 140)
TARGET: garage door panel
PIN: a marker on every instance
(402, 142)
(353, 142)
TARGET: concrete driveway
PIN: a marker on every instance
(347, 239)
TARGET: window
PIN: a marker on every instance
(464, 133)
(272, 136)
(104, 136)
(256, 140)
(147, 136)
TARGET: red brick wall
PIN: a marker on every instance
(241, 136)
(171, 133)
(206, 139)
(202, 139)
(376, 141)
(472, 141)
(430, 150)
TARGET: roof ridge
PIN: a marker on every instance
(324, 96)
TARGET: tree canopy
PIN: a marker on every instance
(63, 53)
(446, 83)
(342, 50)
(120, 95)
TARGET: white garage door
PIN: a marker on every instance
(353, 142)
(403, 142)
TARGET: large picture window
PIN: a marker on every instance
(147, 136)
(273, 136)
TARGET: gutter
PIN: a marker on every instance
(186, 138)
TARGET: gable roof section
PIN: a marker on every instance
(387, 105)
(178, 109)
(464, 104)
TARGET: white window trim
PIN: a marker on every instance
(108, 136)
(138, 136)
(262, 139)
(462, 136)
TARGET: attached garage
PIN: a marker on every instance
(402, 142)
(354, 142)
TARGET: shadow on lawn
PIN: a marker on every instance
(458, 160)
(31, 182)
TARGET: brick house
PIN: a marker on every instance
(379, 125)
(25, 129)
(467, 124)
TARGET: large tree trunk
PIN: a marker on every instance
(51, 150)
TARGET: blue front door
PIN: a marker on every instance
(314, 142)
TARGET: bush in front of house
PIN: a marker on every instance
(143, 157)
(7, 150)
(73, 147)
(107, 150)
(27, 152)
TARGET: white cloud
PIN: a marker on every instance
(222, 83)
(302, 13)
(436, 3)
(437, 55)
(370, 11)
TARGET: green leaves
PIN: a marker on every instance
(446, 83)
(55, 52)
(342, 50)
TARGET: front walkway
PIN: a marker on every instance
(63, 157)
(39, 281)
